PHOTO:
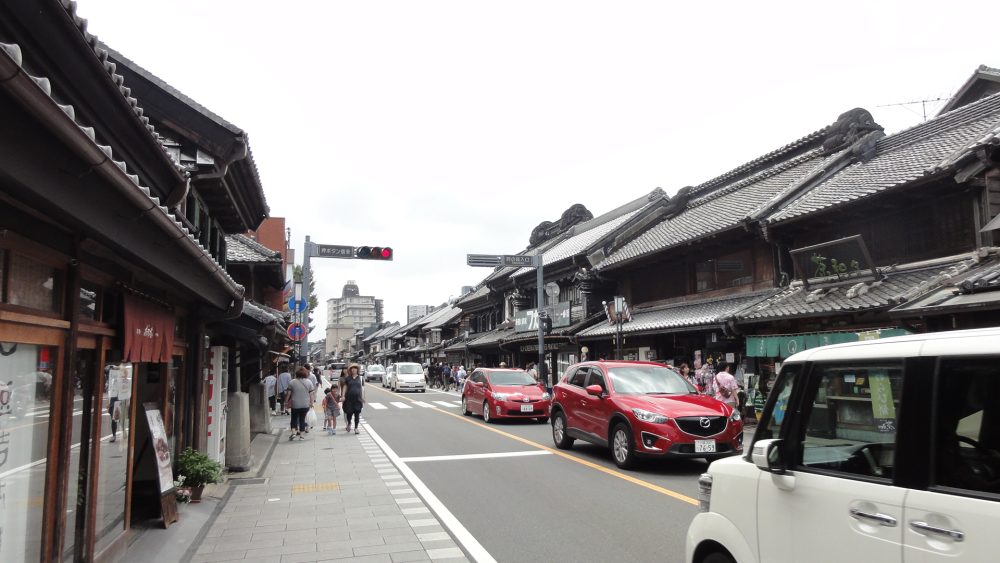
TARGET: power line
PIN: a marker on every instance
(923, 104)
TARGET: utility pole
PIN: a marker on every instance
(306, 284)
(539, 280)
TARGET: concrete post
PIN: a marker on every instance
(238, 456)
(260, 410)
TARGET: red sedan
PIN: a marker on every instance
(505, 393)
(641, 409)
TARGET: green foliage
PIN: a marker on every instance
(196, 469)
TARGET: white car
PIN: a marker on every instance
(375, 372)
(404, 376)
(884, 450)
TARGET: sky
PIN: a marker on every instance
(442, 128)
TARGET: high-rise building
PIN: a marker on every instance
(414, 312)
(348, 313)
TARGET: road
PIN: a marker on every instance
(522, 499)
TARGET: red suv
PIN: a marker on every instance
(641, 409)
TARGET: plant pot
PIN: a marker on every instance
(196, 493)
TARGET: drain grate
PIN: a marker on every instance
(247, 481)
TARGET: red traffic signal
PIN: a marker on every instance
(374, 253)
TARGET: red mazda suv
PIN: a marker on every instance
(641, 409)
(504, 393)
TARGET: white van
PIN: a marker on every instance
(885, 450)
(406, 376)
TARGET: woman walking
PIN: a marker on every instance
(353, 392)
(301, 396)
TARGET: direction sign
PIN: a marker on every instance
(518, 260)
(483, 260)
(296, 305)
(334, 251)
(296, 331)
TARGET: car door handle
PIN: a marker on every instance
(880, 519)
(583, 403)
(924, 528)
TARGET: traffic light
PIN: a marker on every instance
(373, 253)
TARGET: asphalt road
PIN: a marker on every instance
(529, 501)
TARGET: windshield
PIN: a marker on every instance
(409, 368)
(376, 369)
(511, 378)
(648, 380)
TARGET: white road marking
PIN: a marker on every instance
(377, 406)
(446, 404)
(399, 405)
(423, 404)
(472, 546)
(475, 456)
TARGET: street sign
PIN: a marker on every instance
(334, 251)
(518, 260)
(296, 305)
(494, 260)
(296, 331)
(483, 260)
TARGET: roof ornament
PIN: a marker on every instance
(850, 127)
(547, 230)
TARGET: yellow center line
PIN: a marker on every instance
(564, 455)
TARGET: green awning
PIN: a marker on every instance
(785, 345)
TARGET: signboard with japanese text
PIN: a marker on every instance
(334, 251)
(835, 261)
(525, 321)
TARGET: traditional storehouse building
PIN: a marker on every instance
(113, 284)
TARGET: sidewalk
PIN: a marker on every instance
(327, 498)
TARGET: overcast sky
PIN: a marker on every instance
(451, 127)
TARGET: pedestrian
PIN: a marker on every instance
(503, 364)
(269, 389)
(726, 386)
(685, 370)
(300, 395)
(353, 393)
(532, 371)
(454, 376)
(331, 408)
(445, 376)
(460, 378)
(284, 378)
(312, 378)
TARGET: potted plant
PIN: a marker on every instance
(196, 470)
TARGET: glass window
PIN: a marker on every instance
(772, 422)
(967, 425)
(32, 284)
(83, 373)
(579, 377)
(116, 407)
(597, 378)
(704, 274)
(26, 374)
(731, 270)
(511, 378)
(89, 306)
(852, 420)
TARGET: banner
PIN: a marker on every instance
(149, 331)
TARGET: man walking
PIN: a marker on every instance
(284, 379)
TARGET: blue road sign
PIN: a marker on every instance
(296, 305)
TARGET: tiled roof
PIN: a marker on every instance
(978, 288)
(490, 338)
(482, 291)
(241, 248)
(928, 149)
(679, 316)
(381, 332)
(721, 209)
(448, 315)
(900, 284)
(261, 313)
(42, 87)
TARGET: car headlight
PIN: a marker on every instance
(546, 396)
(735, 417)
(647, 416)
(500, 396)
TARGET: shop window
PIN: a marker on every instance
(84, 371)
(731, 270)
(116, 411)
(32, 284)
(26, 377)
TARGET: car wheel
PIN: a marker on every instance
(717, 557)
(559, 436)
(486, 413)
(465, 407)
(621, 446)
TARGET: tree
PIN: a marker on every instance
(313, 300)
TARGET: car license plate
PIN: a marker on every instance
(527, 408)
(704, 446)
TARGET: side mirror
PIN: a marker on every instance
(767, 456)
(595, 390)
(479, 384)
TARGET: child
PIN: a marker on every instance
(331, 407)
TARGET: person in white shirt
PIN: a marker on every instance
(270, 382)
(726, 386)
(284, 378)
(300, 392)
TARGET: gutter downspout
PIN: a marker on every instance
(61, 121)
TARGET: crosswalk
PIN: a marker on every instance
(410, 405)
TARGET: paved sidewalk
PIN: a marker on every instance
(326, 498)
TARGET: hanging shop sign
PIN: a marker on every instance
(786, 345)
(149, 331)
(834, 262)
